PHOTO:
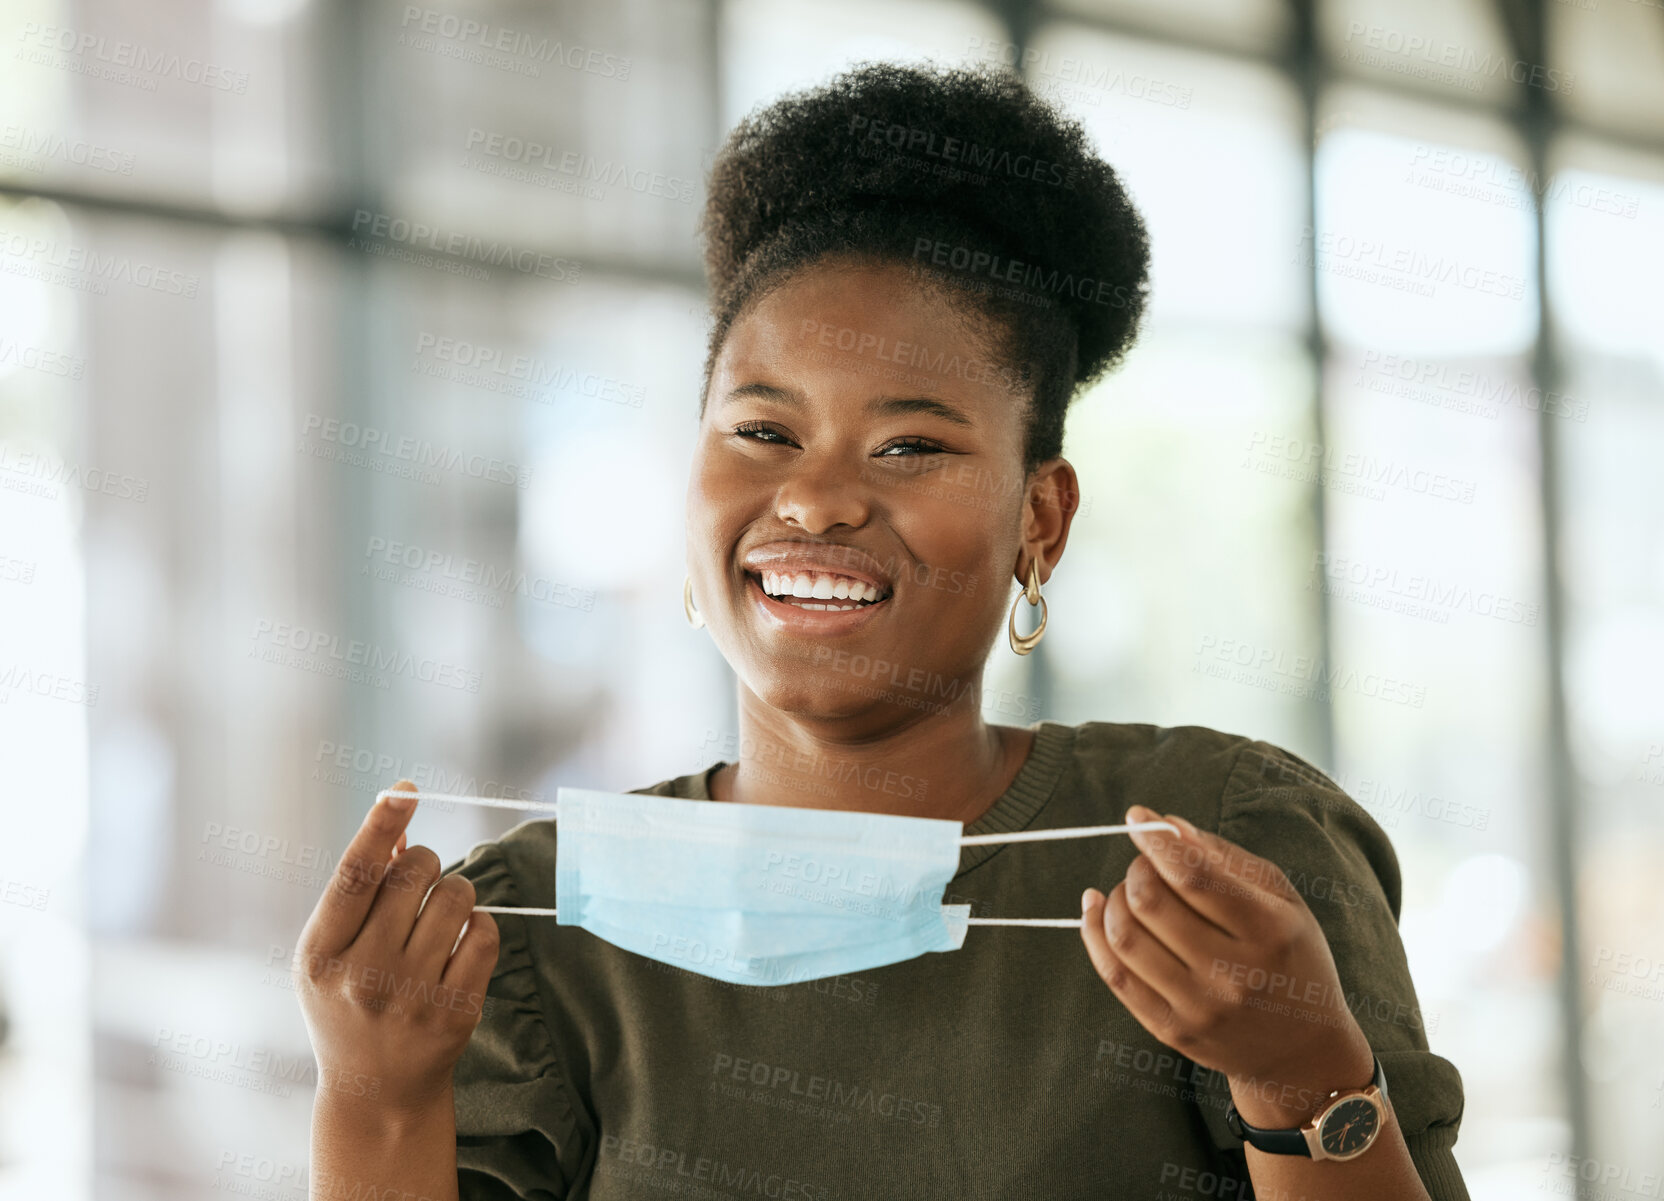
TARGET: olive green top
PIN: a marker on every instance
(1004, 1069)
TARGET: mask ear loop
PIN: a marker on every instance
(1064, 923)
(964, 841)
(492, 802)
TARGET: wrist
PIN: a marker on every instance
(386, 1120)
(1293, 1095)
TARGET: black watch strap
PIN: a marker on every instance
(1291, 1140)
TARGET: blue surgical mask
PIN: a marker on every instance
(762, 894)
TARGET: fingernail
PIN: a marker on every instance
(1142, 813)
(1086, 899)
(1190, 831)
(399, 804)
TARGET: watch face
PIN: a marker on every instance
(1349, 1126)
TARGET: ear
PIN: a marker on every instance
(1050, 502)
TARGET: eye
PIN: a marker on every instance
(920, 446)
(747, 428)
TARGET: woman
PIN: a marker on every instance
(913, 271)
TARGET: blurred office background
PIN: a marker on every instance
(1398, 412)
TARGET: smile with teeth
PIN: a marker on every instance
(803, 588)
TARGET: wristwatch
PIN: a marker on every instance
(1344, 1128)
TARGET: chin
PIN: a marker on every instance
(820, 697)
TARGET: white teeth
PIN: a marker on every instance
(817, 586)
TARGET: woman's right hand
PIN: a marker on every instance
(389, 994)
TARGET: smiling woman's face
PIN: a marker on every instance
(858, 435)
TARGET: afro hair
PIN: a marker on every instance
(969, 179)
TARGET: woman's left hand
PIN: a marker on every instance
(1216, 954)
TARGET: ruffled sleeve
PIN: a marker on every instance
(519, 1136)
(1281, 808)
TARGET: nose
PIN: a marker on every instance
(821, 492)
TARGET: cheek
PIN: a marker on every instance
(712, 493)
(962, 550)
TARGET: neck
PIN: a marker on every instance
(947, 764)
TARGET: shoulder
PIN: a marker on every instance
(1171, 769)
(515, 868)
(1251, 791)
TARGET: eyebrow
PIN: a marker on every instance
(881, 404)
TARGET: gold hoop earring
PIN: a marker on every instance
(694, 616)
(1024, 643)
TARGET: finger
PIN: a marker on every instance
(1169, 916)
(471, 964)
(443, 915)
(1141, 1000)
(353, 885)
(1218, 879)
(393, 915)
(1139, 948)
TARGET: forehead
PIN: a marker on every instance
(865, 329)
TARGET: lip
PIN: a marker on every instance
(821, 622)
